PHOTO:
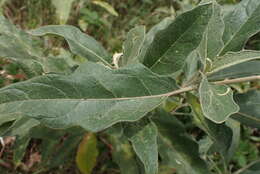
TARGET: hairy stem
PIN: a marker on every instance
(223, 82)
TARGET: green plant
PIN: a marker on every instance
(183, 68)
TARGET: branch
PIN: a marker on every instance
(223, 82)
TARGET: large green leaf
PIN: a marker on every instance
(244, 69)
(231, 59)
(143, 136)
(133, 44)
(249, 113)
(62, 9)
(79, 42)
(216, 101)
(93, 97)
(240, 24)
(176, 148)
(172, 45)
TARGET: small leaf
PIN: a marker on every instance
(240, 24)
(87, 154)
(249, 113)
(216, 101)
(143, 136)
(63, 9)
(19, 150)
(106, 6)
(172, 45)
(133, 44)
(80, 43)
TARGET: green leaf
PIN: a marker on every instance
(171, 46)
(62, 9)
(80, 43)
(192, 67)
(244, 69)
(249, 113)
(143, 136)
(26, 50)
(133, 44)
(223, 137)
(176, 148)
(89, 97)
(19, 150)
(106, 6)
(87, 153)
(122, 152)
(231, 59)
(28, 53)
(213, 42)
(150, 36)
(216, 101)
(240, 24)
(235, 127)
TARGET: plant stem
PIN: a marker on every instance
(238, 80)
(223, 82)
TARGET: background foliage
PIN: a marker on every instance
(108, 23)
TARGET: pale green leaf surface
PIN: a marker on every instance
(240, 24)
(216, 101)
(249, 113)
(143, 136)
(171, 46)
(212, 42)
(233, 58)
(94, 97)
(133, 45)
(63, 8)
(149, 37)
(80, 43)
(244, 69)
(176, 148)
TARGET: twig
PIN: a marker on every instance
(246, 167)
